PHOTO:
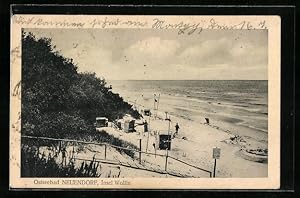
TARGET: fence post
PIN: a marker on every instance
(105, 151)
(73, 152)
(59, 146)
(215, 167)
(140, 153)
(147, 141)
(166, 164)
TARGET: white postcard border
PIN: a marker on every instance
(272, 23)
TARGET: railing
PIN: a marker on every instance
(156, 169)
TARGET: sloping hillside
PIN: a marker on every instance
(57, 100)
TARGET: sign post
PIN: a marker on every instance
(140, 153)
(166, 163)
(216, 155)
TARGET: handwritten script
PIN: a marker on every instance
(158, 23)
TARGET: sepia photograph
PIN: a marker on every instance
(172, 101)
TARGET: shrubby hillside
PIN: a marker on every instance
(57, 100)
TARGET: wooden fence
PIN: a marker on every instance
(117, 162)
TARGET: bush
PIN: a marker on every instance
(56, 99)
(34, 165)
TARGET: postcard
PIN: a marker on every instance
(145, 102)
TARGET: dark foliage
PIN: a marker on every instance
(35, 164)
(57, 101)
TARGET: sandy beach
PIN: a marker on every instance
(235, 129)
(194, 144)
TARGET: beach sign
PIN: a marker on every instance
(216, 153)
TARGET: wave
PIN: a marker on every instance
(253, 127)
(243, 103)
(192, 114)
(259, 104)
(214, 106)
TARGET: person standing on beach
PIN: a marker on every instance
(145, 126)
(176, 128)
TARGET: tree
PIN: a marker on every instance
(56, 99)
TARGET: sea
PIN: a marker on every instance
(238, 106)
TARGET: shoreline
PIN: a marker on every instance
(197, 139)
(169, 103)
(194, 144)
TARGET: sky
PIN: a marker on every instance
(147, 54)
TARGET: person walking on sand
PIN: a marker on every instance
(176, 128)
